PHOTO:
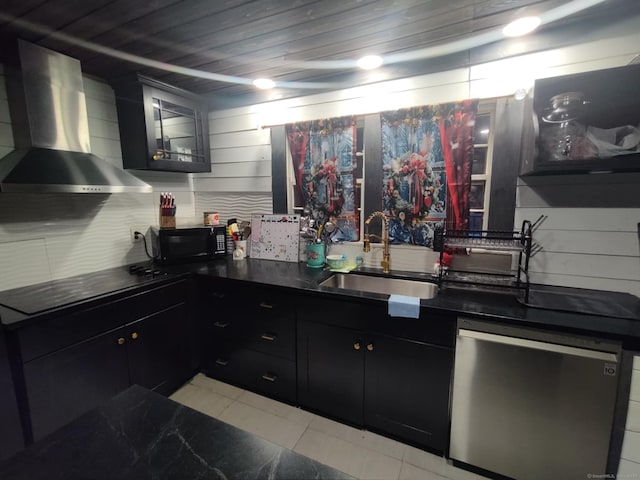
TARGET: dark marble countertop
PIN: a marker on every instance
(298, 278)
(19, 304)
(475, 303)
(141, 435)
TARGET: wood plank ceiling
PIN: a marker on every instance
(276, 38)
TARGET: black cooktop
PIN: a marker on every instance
(58, 293)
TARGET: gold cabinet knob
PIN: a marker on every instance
(370, 347)
(356, 346)
(134, 335)
(121, 341)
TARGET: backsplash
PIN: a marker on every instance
(51, 236)
(233, 205)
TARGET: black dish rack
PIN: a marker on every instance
(516, 242)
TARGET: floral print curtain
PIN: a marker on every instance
(426, 161)
(323, 154)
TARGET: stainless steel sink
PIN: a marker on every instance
(383, 285)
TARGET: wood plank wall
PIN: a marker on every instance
(590, 238)
(240, 180)
(592, 243)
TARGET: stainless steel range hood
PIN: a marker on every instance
(51, 129)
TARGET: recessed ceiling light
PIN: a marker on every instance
(521, 26)
(369, 62)
(264, 83)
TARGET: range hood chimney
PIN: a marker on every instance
(51, 129)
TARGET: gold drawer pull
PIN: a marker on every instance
(356, 346)
(370, 347)
(220, 325)
(268, 336)
(121, 341)
(265, 305)
(134, 336)
(269, 377)
(222, 362)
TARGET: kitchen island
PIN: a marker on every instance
(141, 435)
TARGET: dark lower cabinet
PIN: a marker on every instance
(257, 371)
(352, 367)
(65, 384)
(331, 370)
(150, 347)
(11, 437)
(407, 389)
(248, 339)
(158, 350)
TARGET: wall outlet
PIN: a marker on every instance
(134, 237)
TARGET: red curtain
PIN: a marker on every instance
(456, 132)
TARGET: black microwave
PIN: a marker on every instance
(178, 245)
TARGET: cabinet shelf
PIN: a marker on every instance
(587, 142)
(174, 113)
(493, 280)
(156, 121)
(513, 244)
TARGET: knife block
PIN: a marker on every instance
(167, 221)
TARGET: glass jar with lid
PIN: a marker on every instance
(564, 137)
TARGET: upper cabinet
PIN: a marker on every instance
(162, 127)
(583, 123)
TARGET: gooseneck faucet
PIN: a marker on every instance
(386, 253)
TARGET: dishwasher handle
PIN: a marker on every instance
(537, 345)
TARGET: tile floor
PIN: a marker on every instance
(360, 453)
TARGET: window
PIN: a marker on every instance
(335, 181)
(481, 167)
(481, 171)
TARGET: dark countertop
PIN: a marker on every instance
(141, 435)
(478, 304)
(19, 304)
(464, 302)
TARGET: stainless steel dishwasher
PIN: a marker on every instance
(530, 404)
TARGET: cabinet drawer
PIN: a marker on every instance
(256, 371)
(51, 335)
(224, 330)
(273, 336)
(261, 321)
(269, 304)
(435, 328)
(263, 335)
(339, 313)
